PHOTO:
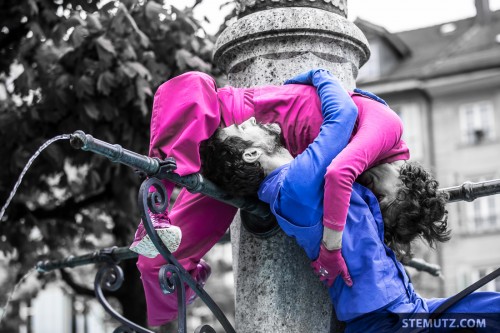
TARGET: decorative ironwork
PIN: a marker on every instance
(204, 329)
(110, 277)
(171, 278)
(170, 281)
(123, 253)
(153, 198)
(113, 254)
(156, 202)
(263, 224)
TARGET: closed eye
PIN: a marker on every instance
(387, 207)
(380, 197)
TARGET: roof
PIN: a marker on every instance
(432, 53)
(393, 40)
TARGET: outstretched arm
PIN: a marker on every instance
(379, 131)
(340, 114)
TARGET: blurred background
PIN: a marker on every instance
(95, 65)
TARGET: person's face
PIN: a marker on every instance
(383, 180)
(264, 136)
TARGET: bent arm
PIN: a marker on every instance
(307, 170)
(379, 130)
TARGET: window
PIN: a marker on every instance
(477, 123)
(468, 275)
(410, 115)
(483, 213)
(479, 273)
(448, 28)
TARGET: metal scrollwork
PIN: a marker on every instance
(170, 281)
(204, 329)
(153, 197)
(158, 200)
(167, 280)
(110, 277)
(173, 277)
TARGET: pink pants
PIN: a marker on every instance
(200, 232)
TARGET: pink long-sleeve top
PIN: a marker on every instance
(187, 112)
(188, 109)
(376, 138)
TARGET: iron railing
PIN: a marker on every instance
(173, 276)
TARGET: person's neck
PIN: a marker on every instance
(279, 158)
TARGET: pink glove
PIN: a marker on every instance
(329, 265)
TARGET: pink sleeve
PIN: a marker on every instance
(379, 130)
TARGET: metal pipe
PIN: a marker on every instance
(469, 191)
(103, 255)
(421, 265)
(194, 183)
(115, 153)
(117, 254)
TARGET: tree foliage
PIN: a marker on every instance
(94, 66)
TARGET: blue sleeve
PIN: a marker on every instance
(370, 95)
(306, 173)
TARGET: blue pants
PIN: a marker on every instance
(478, 312)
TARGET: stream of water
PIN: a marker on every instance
(13, 292)
(27, 166)
(4, 208)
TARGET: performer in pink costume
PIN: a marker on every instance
(187, 110)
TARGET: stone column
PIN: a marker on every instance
(273, 40)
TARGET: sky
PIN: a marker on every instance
(394, 15)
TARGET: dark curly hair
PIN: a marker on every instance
(418, 211)
(222, 163)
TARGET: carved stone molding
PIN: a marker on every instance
(246, 7)
(290, 40)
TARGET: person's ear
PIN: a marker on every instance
(252, 154)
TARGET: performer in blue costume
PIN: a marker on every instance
(381, 299)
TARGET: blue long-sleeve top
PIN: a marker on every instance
(295, 194)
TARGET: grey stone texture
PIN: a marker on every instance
(267, 46)
(276, 290)
(245, 7)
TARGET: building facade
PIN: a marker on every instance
(444, 82)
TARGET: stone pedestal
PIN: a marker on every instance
(273, 40)
(269, 46)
